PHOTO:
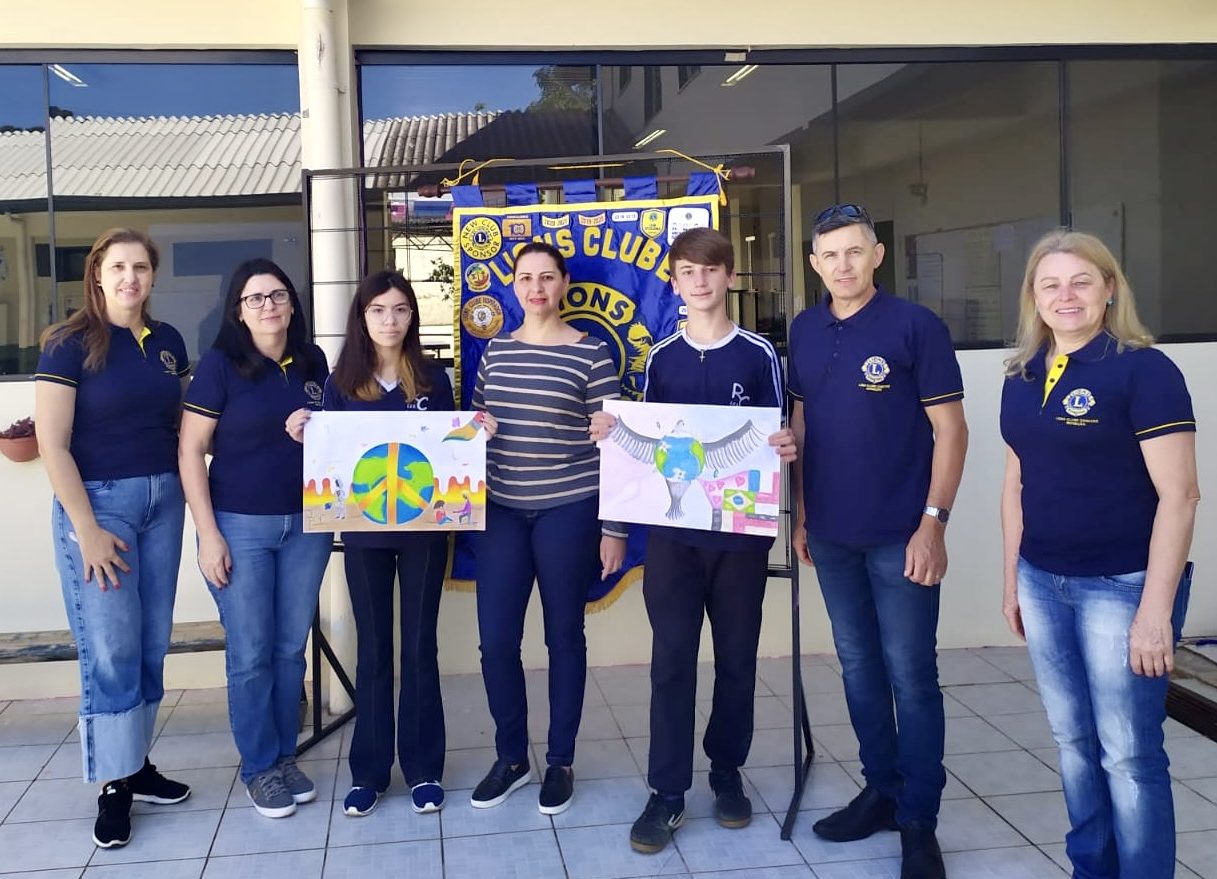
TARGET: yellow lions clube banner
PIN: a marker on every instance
(620, 291)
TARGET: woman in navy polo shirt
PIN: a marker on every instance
(262, 569)
(109, 388)
(1098, 508)
(382, 368)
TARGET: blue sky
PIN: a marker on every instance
(209, 89)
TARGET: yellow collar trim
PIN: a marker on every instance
(1054, 375)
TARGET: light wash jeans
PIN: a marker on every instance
(1107, 721)
(267, 609)
(122, 634)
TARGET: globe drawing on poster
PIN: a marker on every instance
(394, 471)
(704, 467)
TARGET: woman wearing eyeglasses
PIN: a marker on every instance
(382, 368)
(262, 569)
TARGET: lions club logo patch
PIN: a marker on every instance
(482, 317)
(481, 238)
(313, 391)
(1078, 402)
(875, 369)
(169, 361)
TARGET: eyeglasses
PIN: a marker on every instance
(851, 213)
(257, 300)
(398, 313)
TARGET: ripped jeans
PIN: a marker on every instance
(1106, 720)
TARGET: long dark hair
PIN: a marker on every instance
(234, 339)
(91, 320)
(355, 373)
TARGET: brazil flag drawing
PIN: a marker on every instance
(620, 292)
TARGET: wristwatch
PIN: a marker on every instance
(942, 514)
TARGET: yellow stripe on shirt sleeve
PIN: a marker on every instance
(941, 397)
(194, 407)
(50, 376)
(1165, 426)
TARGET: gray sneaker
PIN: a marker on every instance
(269, 795)
(299, 785)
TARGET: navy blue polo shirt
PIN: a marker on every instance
(865, 383)
(256, 468)
(741, 369)
(1077, 428)
(437, 398)
(126, 417)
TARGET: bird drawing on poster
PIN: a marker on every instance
(681, 457)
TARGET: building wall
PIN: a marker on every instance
(627, 24)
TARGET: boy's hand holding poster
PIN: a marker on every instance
(704, 467)
(395, 471)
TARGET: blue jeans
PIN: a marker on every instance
(418, 566)
(122, 634)
(885, 630)
(267, 610)
(559, 548)
(1107, 721)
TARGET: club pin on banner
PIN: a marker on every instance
(620, 289)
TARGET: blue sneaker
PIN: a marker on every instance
(427, 797)
(360, 801)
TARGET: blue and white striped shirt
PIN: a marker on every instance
(542, 397)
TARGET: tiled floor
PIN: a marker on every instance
(1003, 815)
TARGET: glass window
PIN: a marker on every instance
(652, 82)
(1142, 176)
(438, 114)
(204, 158)
(25, 296)
(958, 164)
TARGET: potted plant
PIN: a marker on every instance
(18, 442)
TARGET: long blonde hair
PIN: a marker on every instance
(1119, 320)
(91, 320)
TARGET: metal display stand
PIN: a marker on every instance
(321, 647)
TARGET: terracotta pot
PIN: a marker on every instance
(23, 448)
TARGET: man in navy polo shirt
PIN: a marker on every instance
(880, 428)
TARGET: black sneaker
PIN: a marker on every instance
(731, 807)
(920, 856)
(557, 790)
(149, 786)
(113, 826)
(500, 782)
(868, 812)
(659, 820)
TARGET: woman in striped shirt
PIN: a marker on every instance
(540, 386)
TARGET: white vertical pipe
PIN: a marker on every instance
(327, 143)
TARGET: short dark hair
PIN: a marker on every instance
(703, 246)
(839, 216)
(546, 248)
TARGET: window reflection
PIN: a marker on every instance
(205, 158)
(24, 295)
(958, 165)
(1143, 178)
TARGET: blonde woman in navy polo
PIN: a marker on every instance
(382, 368)
(1098, 507)
(108, 394)
(263, 571)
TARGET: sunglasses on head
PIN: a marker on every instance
(849, 212)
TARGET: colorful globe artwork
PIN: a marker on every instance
(680, 458)
(393, 483)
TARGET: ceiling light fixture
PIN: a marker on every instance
(657, 133)
(734, 78)
(68, 76)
